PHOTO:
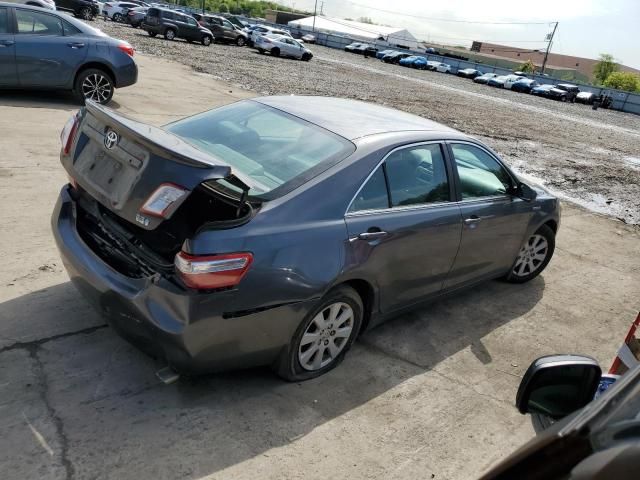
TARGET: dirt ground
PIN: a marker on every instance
(428, 395)
(591, 157)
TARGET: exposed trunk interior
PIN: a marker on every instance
(138, 253)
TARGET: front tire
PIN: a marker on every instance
(206, 40)
(240, 41)
(534, 256)
(275, 52)
(117, 17)
(306, 57)
(94, 84)
(323, 337)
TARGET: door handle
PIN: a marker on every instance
(6, 43)
(473, 219)
(372, 235)
(75, 45)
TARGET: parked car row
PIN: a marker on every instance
(516, 81)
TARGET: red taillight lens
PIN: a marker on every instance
(215, 271)
(69, 133)
(126, 48)
(164, 200)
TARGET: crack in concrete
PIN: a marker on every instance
(58, 424)
(41, 341)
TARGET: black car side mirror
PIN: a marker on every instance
(558, 385)
(524, 191)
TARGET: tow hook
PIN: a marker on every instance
(167, 375)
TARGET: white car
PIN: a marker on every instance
(48, 4)
(443, 68)
(511, 79)
(432, 65)
(265, 30)
(282, 45)
(115, 10)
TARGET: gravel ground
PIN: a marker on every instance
(590, 157)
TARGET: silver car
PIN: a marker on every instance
(48, 4)
(282, 45)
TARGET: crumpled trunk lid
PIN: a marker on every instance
(120, 162)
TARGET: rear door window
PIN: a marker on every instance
(417, 175)
(410, 176)
(71, 29)
(36, 23)
(4, 20)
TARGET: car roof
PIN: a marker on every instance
(351, 119)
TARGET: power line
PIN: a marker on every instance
(444, 19)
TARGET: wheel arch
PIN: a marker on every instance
(97, 65)
(552, 224)
(367, 294)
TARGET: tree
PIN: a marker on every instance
(222, 8)
(366, 20)
(605, 67)
(528, 67)
(623, 81)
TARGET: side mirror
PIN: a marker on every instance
(558, 385)
(525, 192)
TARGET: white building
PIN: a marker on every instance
(378, 34)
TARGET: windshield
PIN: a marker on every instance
(276, 151)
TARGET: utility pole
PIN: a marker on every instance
(546, 54)
(315, 11)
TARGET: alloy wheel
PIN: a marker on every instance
(85, 13)
(97, 87)
(532, 254)
(326, 336)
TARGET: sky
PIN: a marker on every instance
(586, 28)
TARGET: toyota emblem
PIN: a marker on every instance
(111, 139)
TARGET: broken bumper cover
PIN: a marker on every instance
(193, 331)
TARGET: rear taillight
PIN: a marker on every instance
(164, 200)
(69, 133)
(126, 48)
(212, 271)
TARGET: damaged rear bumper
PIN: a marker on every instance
(195, 332)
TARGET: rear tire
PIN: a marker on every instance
(275, 52)
(534, 256)
(94, 84)
(152, 34)
(261, 51)
(169, 34)
(117, 17)
(335, 321)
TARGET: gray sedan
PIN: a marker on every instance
(47, 50)
(274, 231)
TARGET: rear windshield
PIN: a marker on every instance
(276, 151)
